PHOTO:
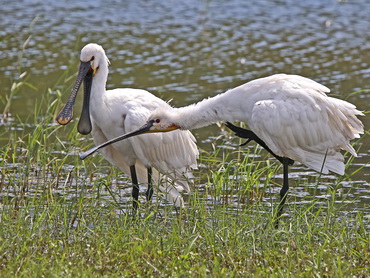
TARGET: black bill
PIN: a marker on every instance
(144, 129)
(85, 73)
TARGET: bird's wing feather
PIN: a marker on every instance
(308, 128)
(174, 153)
(167, 151)
(168, 187)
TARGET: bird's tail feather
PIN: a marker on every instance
(324, 163)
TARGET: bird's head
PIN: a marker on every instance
(93, 59)
(161, 120)
(93, 55)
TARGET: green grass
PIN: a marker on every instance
(53, 237)
(61, 217)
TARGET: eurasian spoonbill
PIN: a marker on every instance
(108, 114)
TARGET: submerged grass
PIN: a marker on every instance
(58, 237)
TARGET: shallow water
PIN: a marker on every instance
(188, 50)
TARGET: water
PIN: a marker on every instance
(189, 50)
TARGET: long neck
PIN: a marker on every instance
(98, 85)
(206, 112)
(98, 93)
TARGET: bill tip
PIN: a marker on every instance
(63, 121)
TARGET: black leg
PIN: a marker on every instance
(283, 191)
(135, 187)
(149, 192)
(250, 135)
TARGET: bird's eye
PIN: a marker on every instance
(92, 58)
(157, 121)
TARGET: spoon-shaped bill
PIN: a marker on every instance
(65, 116)
(84, 125)
(144, 129)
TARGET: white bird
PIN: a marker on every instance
(108, 114)
(289, 115)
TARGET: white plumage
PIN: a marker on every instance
(118, 111)
(172, 154)
(297, 120)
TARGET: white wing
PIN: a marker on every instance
(302, 123)
(165, 185)
(171, 155)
